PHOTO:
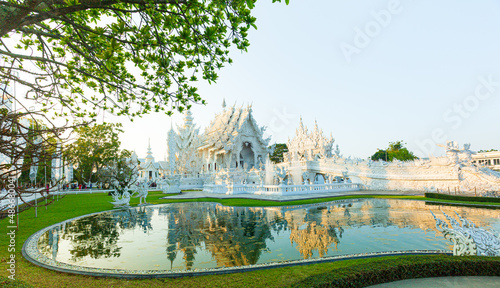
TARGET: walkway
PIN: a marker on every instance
(201, 194)
(444, 282)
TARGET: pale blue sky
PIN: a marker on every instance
(417, 80)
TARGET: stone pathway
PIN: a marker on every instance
(444, 282)
(201, 194)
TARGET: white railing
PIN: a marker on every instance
(189, 183)
(280, 189)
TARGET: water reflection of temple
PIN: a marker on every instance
(233, 237)
(236, 236)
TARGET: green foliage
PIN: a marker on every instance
(120, 173)
(396, 150)
(462, 198)
(484, 151)
(133, 57)
(389, 269)
(95, 147)
(277, 152)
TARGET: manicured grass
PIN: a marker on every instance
(263, 203)
(309, 275)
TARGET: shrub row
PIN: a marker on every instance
(390, 270)
(462, 198)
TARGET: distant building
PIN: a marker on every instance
(488, 159)
(149, 170)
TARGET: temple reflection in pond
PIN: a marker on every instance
(207, 235)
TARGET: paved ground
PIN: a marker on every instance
(200, 194)
(444, 282)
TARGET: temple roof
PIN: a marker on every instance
(313, 141)
(227, 126)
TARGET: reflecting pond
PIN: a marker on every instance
(186, 236)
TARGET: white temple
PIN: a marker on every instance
(231, 156)
(233, 140)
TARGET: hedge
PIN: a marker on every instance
(389, 270)
(463, 198)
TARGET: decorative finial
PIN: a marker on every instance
(301, 124)
(224, 103)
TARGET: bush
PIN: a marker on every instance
(401, 268)
(462, 198)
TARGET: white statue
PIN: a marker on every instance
(142, 192)
(281, 174)
(305, 176)
(467, 238)
(123, 201)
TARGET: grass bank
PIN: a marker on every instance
(316, 275)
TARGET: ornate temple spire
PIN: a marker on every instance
(301, 128)
(149, 157)
(134, 157)
(223, 103)
(188, 119)
(316, 128)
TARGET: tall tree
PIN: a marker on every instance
(95, 147)
(396, 150)
(121, 173)
(136, 56)
(276, 152)
(78, 58)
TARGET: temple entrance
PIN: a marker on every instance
(319, 179)
(247, 156)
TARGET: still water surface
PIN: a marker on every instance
(186, 236)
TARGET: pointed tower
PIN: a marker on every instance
(186, 143)
(134, 158)
(149, 157)
(316, 128)
(172, 148)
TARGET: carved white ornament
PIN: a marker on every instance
(467, 238)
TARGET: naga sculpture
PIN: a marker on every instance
(467, 238)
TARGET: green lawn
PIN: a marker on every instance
(308, 275)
